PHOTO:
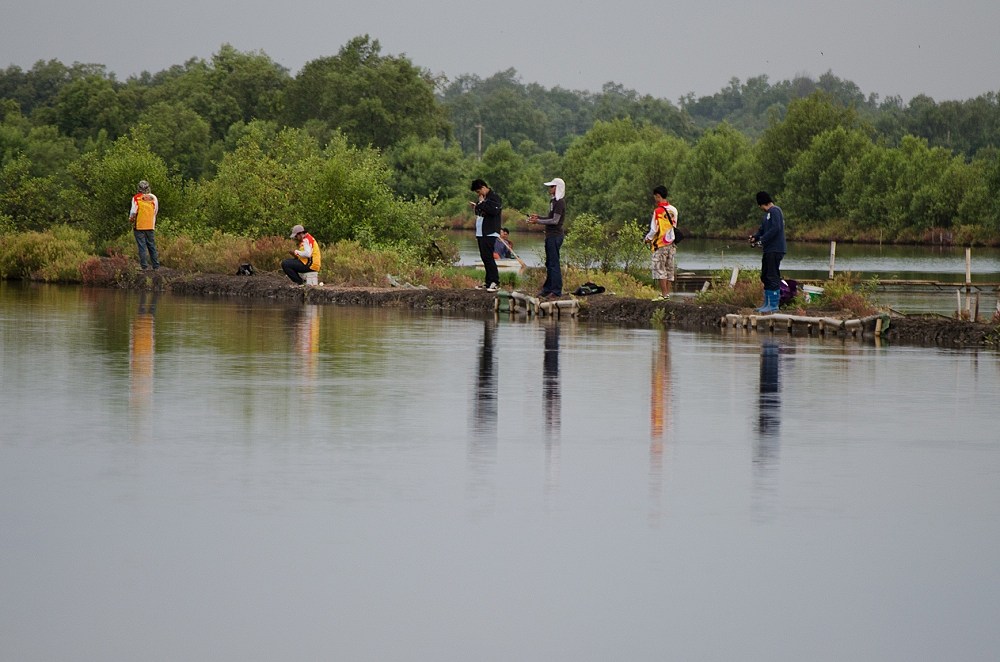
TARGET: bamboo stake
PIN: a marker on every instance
(732, 279)
(833, 256)
(968, 268)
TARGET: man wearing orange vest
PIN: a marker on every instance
(661, 239)
(304, 259)
(142, 216)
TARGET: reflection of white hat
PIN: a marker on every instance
(296, 230)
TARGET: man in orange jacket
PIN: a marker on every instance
(142, 216)
(304, 259)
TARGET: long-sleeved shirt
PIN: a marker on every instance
(771, 233)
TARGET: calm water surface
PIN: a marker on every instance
(201, 479)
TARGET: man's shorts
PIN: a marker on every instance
(663, 262)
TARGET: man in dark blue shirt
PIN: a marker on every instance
(771, 238)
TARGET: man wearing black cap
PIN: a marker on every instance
(488, 209)
(771, 238)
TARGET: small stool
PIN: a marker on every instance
(311, 277)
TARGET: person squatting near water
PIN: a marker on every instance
(661, 239)
(771, 238)
(503, 249)
(487, 208)
(142, 216)
(304, 259)
(554, 235)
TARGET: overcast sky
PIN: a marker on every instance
(948, 50)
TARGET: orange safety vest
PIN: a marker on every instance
(664, 228)
(145, 211)
(316, 258)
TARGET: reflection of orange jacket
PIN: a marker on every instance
(309, 250)
(144, 208)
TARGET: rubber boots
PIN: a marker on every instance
(772, 298)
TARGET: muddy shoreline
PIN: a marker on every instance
(602, 308)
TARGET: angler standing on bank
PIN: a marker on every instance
(771, 238)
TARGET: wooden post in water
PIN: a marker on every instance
(958, 308)
(833, 256)
(968, 268)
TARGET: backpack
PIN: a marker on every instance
(788, 288)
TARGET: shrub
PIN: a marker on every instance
(747, 292)
(845, 293)
(594, 244)
(104, 271)
(51, 256)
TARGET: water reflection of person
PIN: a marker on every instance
(141, 352)
(551, 401)
(660, 418)
(765, 456)
(769, 403)
(307, 342)
(484, 403)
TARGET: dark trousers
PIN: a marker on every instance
(770, 270)
(293, 266)
(486, 253)
(146, 242)
(553, 272)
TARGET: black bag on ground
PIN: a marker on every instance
(245, 270)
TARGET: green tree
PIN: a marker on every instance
(714, 185)
(784, 140)
(253, 80)
(614, 167)
(179, 135)
(373, 99)
(815, 184)
(872, 198)
(428, 169)
(29, 202)
(272, 181)
(86, 106)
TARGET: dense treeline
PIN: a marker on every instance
(369, 147)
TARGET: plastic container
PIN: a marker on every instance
(811, 292)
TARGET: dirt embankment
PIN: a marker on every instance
(683, 313)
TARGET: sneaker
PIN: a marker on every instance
(662, 298)
(480, 287)
(493, 287)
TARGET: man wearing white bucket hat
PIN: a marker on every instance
(554, 235)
